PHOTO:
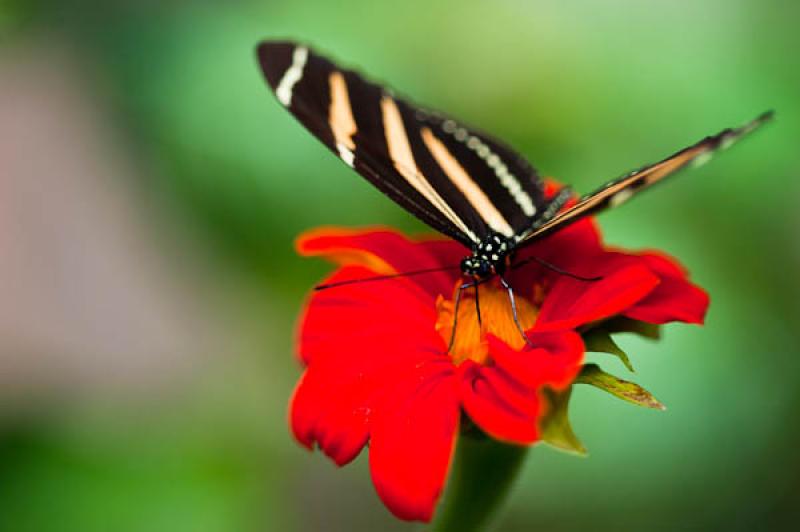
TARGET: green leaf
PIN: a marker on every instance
(623, 324)
(555, 426)
(599, 341)
(629, 391)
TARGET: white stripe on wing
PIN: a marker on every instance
(292, 75)
(340, 117)
(403, 158)
(461, 179)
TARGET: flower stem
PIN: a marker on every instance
(482, 473)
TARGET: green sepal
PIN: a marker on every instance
(555, 427)
(629, 391)
(622, 324)
(599, 341)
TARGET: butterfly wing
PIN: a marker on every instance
(620, 190)
(459, 181)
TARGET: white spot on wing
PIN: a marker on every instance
(508, 180)
(702, 159)
(620, 197)
(346, 155)
(728, 141)
(292, 75)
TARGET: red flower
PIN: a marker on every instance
(377, 365)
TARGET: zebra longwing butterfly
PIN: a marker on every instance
(459, 181)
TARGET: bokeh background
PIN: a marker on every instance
(151, 188)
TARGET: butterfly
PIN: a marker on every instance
(460, 181)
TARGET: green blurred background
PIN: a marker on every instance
(151, 187)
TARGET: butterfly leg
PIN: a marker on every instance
(477, 303)
(458, 302)
(455, 313)
(514, 313)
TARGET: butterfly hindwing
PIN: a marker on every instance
(459, 181)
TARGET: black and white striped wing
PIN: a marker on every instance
(457, 180)
(621, 190)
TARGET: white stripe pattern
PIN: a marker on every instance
(403, 158)
(506, 178)
(292, 75)
(340, 118)
(462, 180)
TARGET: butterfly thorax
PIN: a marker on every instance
(488, 258)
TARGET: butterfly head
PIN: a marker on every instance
(488, 257)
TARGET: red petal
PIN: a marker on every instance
(573, 249)
(448, 253)
(501, 407)
(572, 303)
(503, 399)
(551, 186)
(554, 360)
(674, 299)
(411, 446)
(339, 424)
(663, 264)
(383, 251)
(568, 246)
(355, 320)
(357, 340)
(333, 404)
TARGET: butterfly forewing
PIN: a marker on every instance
(620, 190)
(459, 181)
(301, 81)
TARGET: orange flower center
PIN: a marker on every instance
(496, 319)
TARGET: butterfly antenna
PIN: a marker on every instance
(383, 277)
(556, 269)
